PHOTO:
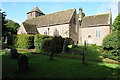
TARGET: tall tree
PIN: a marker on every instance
(12, 26)
(4, 28)
(116, 23)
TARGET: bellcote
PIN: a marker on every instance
(35, 12)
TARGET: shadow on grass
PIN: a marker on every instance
(41, 67)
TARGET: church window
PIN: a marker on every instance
(45, 32)
(97, 33)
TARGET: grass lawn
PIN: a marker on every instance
(63, 65)
(42, 67)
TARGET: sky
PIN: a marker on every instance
(16, 11)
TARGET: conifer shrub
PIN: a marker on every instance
(25, 41)
(111, 45)
(38, 39)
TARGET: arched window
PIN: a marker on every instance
(89, 39)
(56, 32)
(45, 32)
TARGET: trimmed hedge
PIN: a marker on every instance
(55, 44)
(49, 43)
(25, 41)
(38, 39)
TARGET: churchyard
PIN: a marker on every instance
(63, 65)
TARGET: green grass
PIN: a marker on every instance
(63, 66)
(42, 67)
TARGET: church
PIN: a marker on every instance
(68, 23)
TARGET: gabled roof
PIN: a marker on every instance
(95, 20)
(30, 29)
(36, 9)
(61, 17)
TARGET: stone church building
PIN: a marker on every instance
(68, 23)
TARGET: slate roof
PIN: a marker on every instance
(61, 17)
(36, 9)
(30, 29)
(95, 20)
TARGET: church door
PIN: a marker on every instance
(89, 39)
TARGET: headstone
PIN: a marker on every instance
(14, 54)
(8, 51)
(84, 52)
(64, 46)
(51, 56)
(22, 63)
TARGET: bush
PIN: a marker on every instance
(57, 44)
(25, 41)
(53, 44)
(11, 39)
(111, 43)
(38, 39)
(46, 44)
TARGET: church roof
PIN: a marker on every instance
(61, 17)
(95, 20)
(30, 29)
(36, 9)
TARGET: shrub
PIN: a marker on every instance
(57, 44)
(25, 41)
(53, 44)
(111, 43)
(11, 39)
(38, 39)
(47, 44)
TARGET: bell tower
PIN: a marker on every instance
(35, 12)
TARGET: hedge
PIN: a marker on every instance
(38, 39)
(25, 41)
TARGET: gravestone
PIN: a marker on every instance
(12, 53)
(22, 63)
(8, 51)
(84, 52)
(51, 56)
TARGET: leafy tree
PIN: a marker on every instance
(116, 23)
(4, 28)
(12, 26)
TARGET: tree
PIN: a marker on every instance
(12, 26)
(116, 23)
(4, 28)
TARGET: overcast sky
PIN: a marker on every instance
(17, 10)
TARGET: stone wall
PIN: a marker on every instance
(22, 30)
(62, 30)
(103, 30)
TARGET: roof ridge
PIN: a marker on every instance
(51, 14)
(98, 14)
(59, 11)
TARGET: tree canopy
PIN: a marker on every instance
(12, 26)
(116, 23)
